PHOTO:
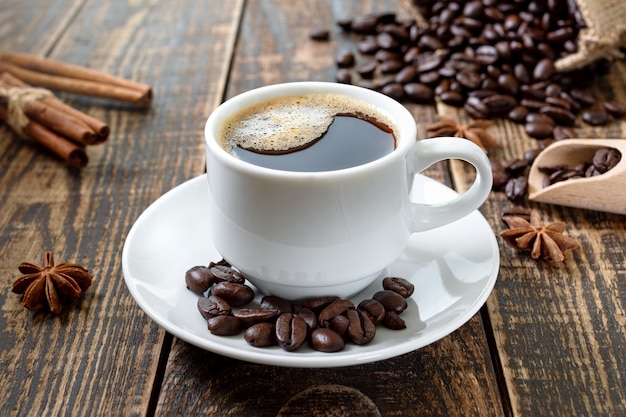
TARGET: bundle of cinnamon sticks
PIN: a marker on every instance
(57, 126)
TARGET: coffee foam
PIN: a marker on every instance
(285, 124)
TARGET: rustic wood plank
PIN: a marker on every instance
(452, 377)
(566, 318)
(100, 357)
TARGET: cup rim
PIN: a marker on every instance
(397, 112)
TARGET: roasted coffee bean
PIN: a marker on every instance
(531, 154)
(559, 115)
(499, 174)
(366, 69)
(393, 90)
(606, 158)
(452, 98)
(516, 188)
(518, 114)
(406, 75)
(318, 34)
(391, 66)
(343, 76)
(386, 41)
(199, 279)
(309, 317)
(374, 309)
(538, 130)
(326, 340)
(364, 24)
(508, 84)
(368, 46)
(272, 302)
(469, 79)
(391, 300)
(516, 166)
(419, 93)
(393, 321)
(539, 118)
(291, 331)
(339, 324)
(224, 325)
(361, 328)
(345, 60)
(544, 69)
(584, 98)
(335, 308)
(226, 273)
(615, 109)
(500, 104)
(317, 304)
(235, 294)
(250, 316)
(261, 335)
(487, 54)
(595, 117)
(400, 285)
(212, 306)
(563, 132)
(475, 108)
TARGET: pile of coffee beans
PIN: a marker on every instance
(326, 324)
(494, 58)
(603, 160)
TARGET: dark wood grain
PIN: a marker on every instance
(100, 357)
(560, 329)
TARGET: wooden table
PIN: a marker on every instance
(549, 341)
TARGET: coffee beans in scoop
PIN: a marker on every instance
(326, 324)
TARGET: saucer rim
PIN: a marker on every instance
(299, 359)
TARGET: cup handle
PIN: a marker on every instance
(429, 151)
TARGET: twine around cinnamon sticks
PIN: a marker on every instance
(34, 112)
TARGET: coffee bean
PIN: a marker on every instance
(326, 340)
(563, 132)
(251, 316)
(419, 93)
(406, 75)
(366, 69)
(391, 300)
(516, 188)
(364, 24)
(499, 104)
(487, 54)
(606, 158)
(339, 324)
(224, 325)
(374, 309)
(235, 294)
(559, 115)
(499, 174)
(391, 66)
(261, 335)
(212, 306)
(538, 130)
(452, 98)
(544, 69)
(345, 60)
(584, 98)
(309, 317)
(272, 302)
(226, 273)
(508, 84)
(318, 34)
(368, 46)
(469, 79)
(615, 109)
(361, 328)
(400, 285)
(335, 308)
(317, 304)
(516, 166)
(518, 114)
(595, 117)
(199, 279)
(475, 108)
(291, 331)
(393, 321)
(343, 76)
(393, 90)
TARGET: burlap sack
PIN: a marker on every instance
(604, 35)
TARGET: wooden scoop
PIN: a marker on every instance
(606, 192)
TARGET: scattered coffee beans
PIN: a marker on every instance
(325, 323)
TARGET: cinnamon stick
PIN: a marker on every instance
(57, 75)
(70, 152)
(99, 127)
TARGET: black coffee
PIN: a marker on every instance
(310, 133)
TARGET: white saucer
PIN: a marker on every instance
(453, 268)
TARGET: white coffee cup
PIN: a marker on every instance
(306, 234)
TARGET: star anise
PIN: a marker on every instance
(50, 285)
(547, 242)
(475, 131)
